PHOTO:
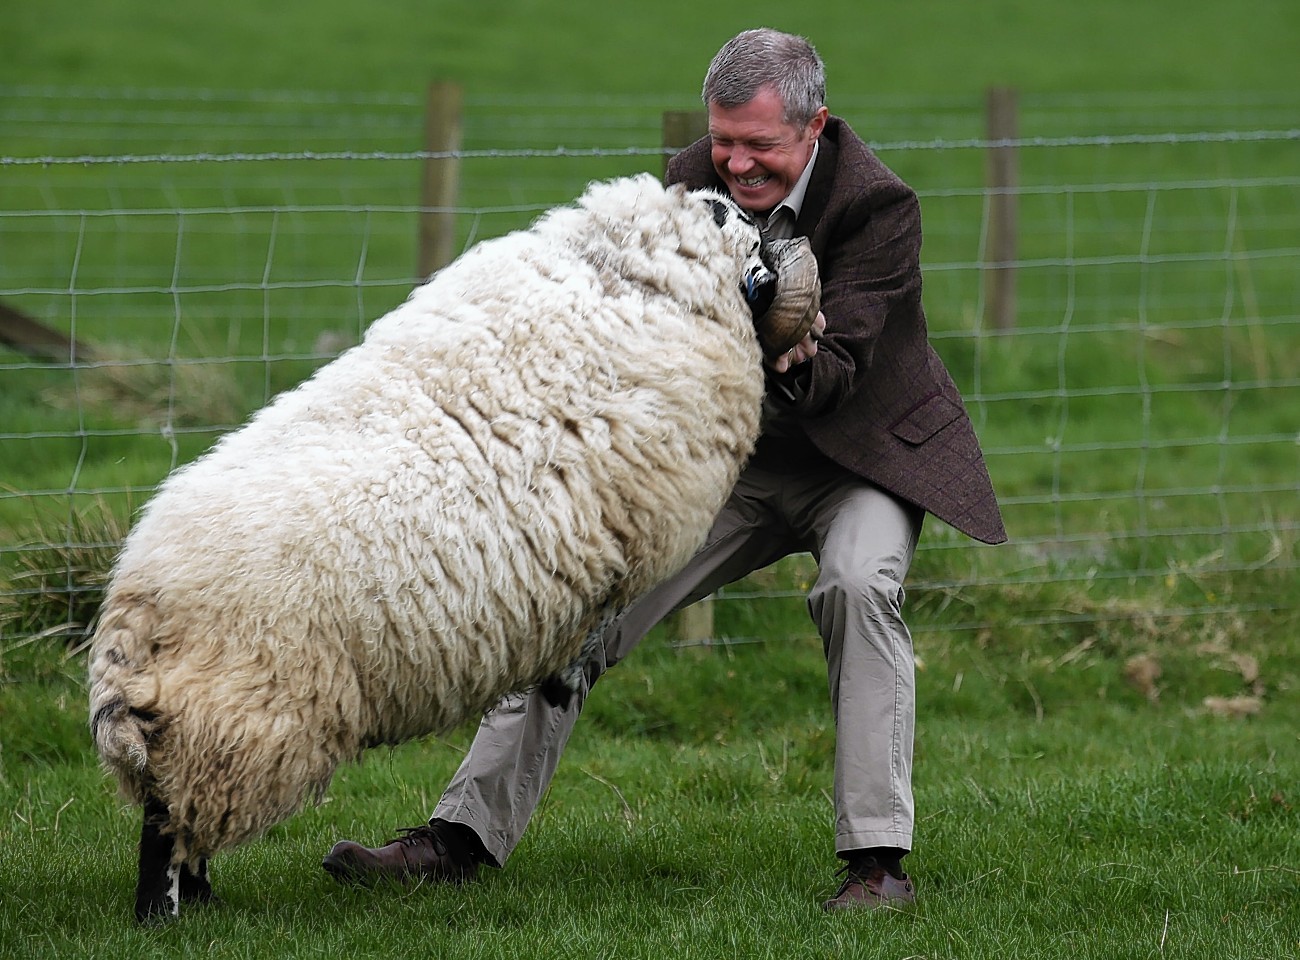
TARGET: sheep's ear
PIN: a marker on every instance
(720, 211)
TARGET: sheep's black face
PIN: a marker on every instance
(758, 274)
(759, 287)
(726, 210)
(778, 278)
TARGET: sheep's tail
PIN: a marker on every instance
(123, 693)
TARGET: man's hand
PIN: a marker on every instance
(805, 349)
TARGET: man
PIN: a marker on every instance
(864, 433)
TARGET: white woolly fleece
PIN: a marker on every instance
(539, 434)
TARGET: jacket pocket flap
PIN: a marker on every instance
(925, 419)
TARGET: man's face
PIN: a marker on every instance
(759, 156)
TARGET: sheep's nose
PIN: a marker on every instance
(756, 278)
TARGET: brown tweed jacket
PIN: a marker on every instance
(879, 400)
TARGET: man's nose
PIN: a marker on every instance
(740, 160)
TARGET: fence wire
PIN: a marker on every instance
(202, 251)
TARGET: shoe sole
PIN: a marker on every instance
(347, 870)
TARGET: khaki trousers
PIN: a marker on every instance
(864, 540)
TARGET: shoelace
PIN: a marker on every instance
(857, 871)
(848, 878)
(413, 836)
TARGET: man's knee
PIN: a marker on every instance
(846, 590)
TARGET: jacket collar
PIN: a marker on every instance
(818, 196)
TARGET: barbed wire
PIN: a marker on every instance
(1125, 186)
(1197, 98)
(1105, 140)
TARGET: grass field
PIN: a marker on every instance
(1062, 813)
(522, 47)
(1107, 754)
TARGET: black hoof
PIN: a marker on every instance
(154, 911)
(194, 886)
(159, 895)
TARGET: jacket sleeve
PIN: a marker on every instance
(869, 250)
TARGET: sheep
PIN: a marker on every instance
(448, 512)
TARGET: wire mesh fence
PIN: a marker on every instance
(201, 251)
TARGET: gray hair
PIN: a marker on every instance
(760, 58)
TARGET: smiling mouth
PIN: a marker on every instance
(753, 182)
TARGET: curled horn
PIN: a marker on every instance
(798, 296)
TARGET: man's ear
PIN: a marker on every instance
(818, 123)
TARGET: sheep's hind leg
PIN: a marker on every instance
(194, 886)
(157, 891)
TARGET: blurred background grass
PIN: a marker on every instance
(527, 47)
(1139, 422)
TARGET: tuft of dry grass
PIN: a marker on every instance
(153, 392)
(57, 582)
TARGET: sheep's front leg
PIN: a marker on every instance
(560, 688)
(157, 890)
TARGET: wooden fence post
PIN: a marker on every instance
(681, 128)
(1002, 176)
(441, 178)
(692, 626)
(26, 335)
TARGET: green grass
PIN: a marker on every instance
(1060, 811)
(528, 47)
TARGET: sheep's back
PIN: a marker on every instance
(447, 507)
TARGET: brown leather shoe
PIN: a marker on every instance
(869, 886)
(439, 851)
